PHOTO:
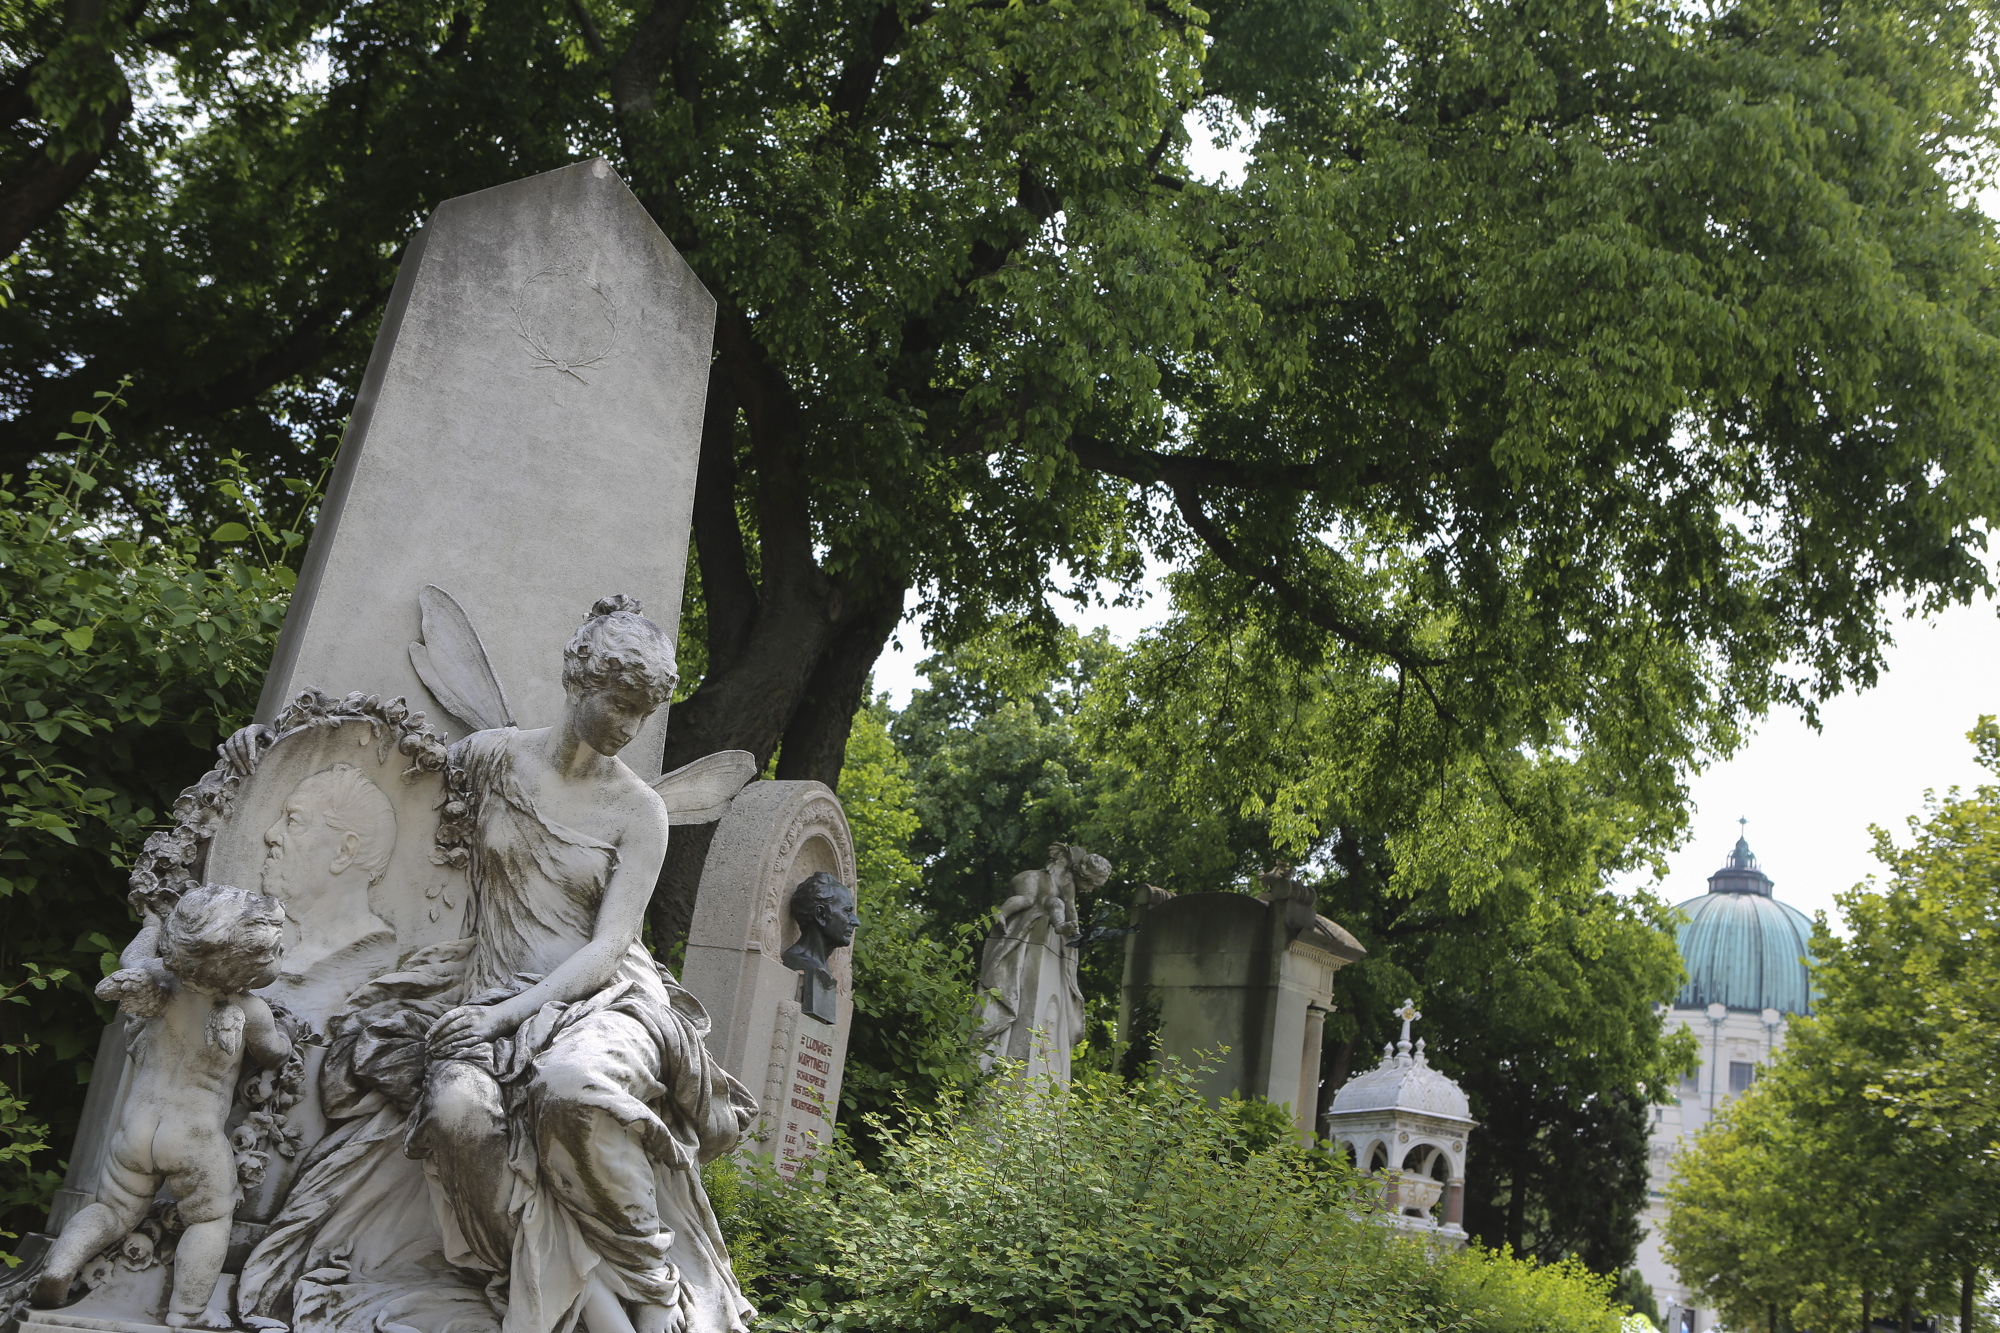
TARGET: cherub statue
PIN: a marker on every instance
(187, 979)
(1053, 891)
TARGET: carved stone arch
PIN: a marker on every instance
(775, 836)
(1413, 1157)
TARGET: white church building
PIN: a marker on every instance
(1747, 975)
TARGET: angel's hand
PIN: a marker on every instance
(465, 1027)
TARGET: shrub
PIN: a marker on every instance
(1111, 1206)
(1499, 1293)
(129, 645)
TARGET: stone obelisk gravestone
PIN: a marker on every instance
(776, 836)
(525, 439)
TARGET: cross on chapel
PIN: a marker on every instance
(1408, 1013)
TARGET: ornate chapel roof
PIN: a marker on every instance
(1404, 1081)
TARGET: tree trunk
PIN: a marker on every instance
(1867, 1304)
(1336, 1063)
(58, 167)
(1906, 1316)
(45, 183)
(790, 648)
(1965, 1303)
(1517, 1210)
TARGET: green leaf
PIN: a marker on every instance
(230, 532)
(80, 637)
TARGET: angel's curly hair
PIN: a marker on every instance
(618, 645)
(219, 938)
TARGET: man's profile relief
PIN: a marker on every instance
(330, 845)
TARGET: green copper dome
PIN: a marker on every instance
(1743, 948)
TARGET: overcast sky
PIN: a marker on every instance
(1810, 797)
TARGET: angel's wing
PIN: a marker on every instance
(700, 793)
(451, 662)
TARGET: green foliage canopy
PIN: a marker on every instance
(1576, 365)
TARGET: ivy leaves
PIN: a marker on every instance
(129, 644)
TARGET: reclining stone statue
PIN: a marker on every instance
(186, 979)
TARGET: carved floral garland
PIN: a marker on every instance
(165, 867)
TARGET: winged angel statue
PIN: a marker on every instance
(517, 1118)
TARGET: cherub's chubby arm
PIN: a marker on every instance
(141, 986)
(263, 1040)
(145, 946)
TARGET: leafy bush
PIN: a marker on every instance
(1111, 1206)
(127, 650)
(1499, 1293)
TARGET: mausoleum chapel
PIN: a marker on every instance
(1747, 957)
(1406, 1123)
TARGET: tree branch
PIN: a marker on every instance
(1300, 600)
(864, 64)
(46, 183)
(1149, 467)
(592, 39)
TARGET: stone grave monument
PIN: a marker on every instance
(1028, 971)
(767, 952)
(390, 1052)
(1407, 1124)
(1248, 977)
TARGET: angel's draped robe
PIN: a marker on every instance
(568, 1149)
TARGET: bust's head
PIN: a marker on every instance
(822, 903)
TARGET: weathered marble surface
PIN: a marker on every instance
(1028, 970)
(517, 1116)
(528, 427)
(185, 983)
(1209, 971)
(526, 434)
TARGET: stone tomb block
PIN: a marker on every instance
(776, 836)
(1205, 971)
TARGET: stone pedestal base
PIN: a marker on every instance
(130, 1303)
